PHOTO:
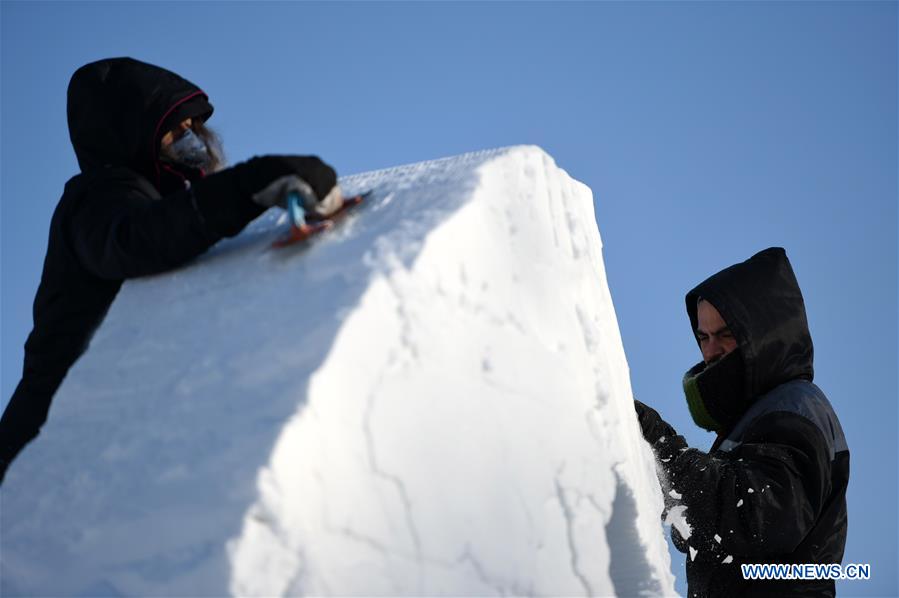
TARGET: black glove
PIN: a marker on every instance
(652, 424)
(256, 174)
(663, 439)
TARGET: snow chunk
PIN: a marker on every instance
(675, 494)
(693, 553)
(717, 538)
(728, 559)
(677, 517)
(740, 503)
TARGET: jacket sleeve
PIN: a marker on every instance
(121, 230)
(764, 498)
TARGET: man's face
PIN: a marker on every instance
(715, 338)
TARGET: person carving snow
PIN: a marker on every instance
(772, 488)
(151, 195)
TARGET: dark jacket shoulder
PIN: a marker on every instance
(796, 399)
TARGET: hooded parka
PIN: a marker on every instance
(127, 214)
(772, 489)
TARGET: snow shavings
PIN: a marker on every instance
(728, 559)
(693, 553)
(677, 518)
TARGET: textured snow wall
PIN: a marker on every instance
(430, 399)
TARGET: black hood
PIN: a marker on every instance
(119, 109)
(760, 301)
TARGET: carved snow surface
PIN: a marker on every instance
(430, 399)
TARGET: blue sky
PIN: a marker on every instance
(707, 131)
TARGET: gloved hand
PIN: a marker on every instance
(268, 180)
(227, 200)
(663, 439)
(652, 424)
(678, 540)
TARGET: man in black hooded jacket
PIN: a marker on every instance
(772, 489)
(143, 203)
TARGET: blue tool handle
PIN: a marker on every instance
(295, 209)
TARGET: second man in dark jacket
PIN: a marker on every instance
(772, 489)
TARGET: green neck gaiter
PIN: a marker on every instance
(715, 392)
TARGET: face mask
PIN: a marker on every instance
(188, 150)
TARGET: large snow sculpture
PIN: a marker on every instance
(431, 399)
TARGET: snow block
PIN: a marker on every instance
(430, 399)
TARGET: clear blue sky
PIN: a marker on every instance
(707, 132)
